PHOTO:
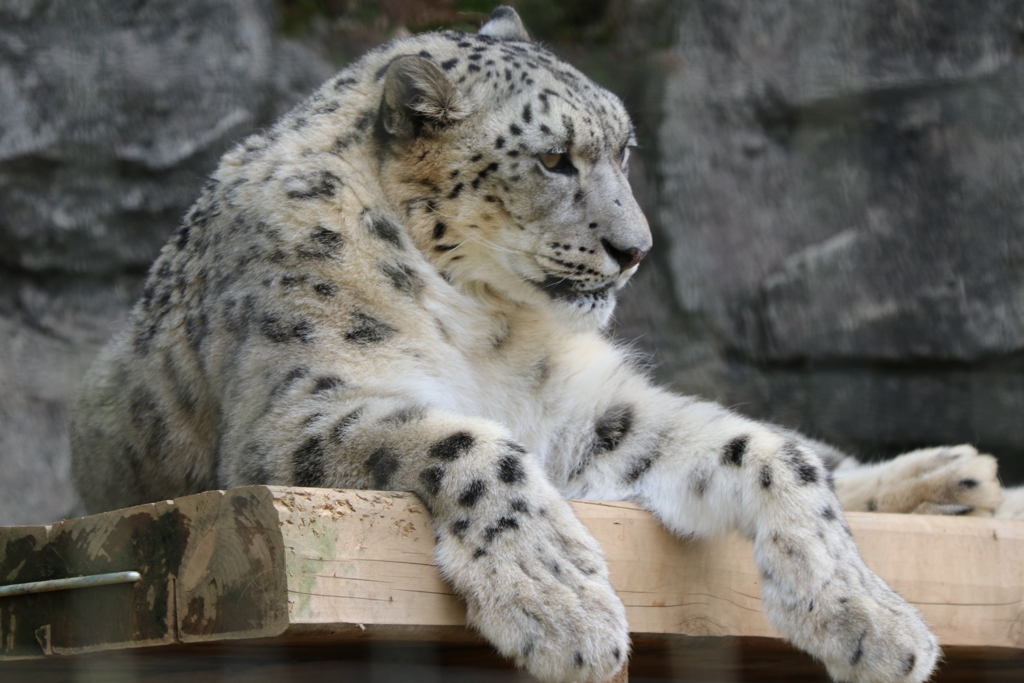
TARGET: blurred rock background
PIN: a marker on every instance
(835, 189)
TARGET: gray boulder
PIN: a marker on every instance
(839, 196)
(111, 114)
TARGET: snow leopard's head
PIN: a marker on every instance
(509, 166)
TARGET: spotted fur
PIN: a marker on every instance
(402, 285)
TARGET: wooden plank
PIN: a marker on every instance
(361, 558)
(320, 566)
(24, 557)
(965, 574)
(226, 547)
(147, 539)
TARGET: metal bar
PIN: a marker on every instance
(67, 584)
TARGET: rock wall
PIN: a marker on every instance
(111, 114)
(839, 196)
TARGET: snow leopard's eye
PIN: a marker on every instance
(557, 162)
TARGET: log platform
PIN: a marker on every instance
(274, 583)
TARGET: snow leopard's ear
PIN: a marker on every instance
(504, 24)
(419, 99)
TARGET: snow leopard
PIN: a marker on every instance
(404, 285)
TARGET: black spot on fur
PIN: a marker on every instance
(197, 326)
(829, 513)
(478, 553)
(319, 185)
(515, 130)
(448, 65)
(326, 289)
(431, 479)
(452, 447)
(382, 464)
(277, 330)
(369, 330)
(805, 471)
(386, 229)
(486, 171)
(406, 415)
(700, 483)
(181, 237)
(577, 660)
(734, 451)
(286, 383)
(323, 243)
(519, 505)
(612, 428)
(459, 527)
(765, 477)
(147, 420)
(326, 383)
(439, 229)
(340, 430)
(456, 190)
(344, 83)
(499, 142)
(503, 524)
(254, 470)
(472, 493)
(143, 340)
(639, 467)
(858, 651)
(513, 446)
(402, 278)
(527, 114)
(310, 463)
(510, 470)
(908, 664)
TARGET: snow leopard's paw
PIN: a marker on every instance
(948, 480)
(861, 629)
(540, 593)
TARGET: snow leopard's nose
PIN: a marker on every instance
(626, 257)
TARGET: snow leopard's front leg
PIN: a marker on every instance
(706, 471)
(535, 581)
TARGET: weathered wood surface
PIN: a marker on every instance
(966, 575)
(322, 566)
